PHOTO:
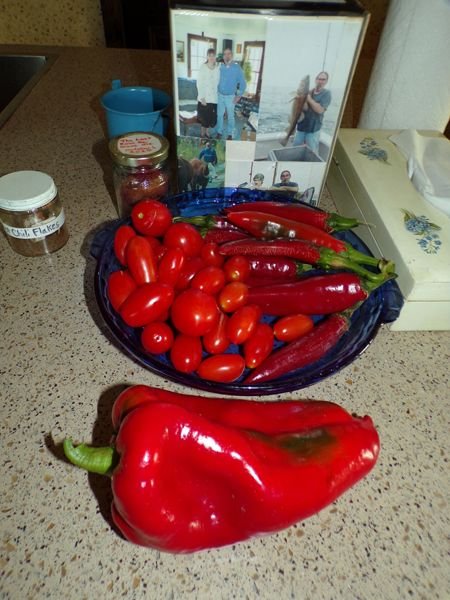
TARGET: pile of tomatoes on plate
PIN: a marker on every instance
(189, 300)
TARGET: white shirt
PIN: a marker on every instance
(207, 82)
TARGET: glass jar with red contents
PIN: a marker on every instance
(140, 168)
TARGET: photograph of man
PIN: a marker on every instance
(232, 86)
(207, 82)
(285, 184)
(317, 102)
(209, 155)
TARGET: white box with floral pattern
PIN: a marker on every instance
(368, 180)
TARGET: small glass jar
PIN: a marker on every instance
(31, 213)
(140, 168)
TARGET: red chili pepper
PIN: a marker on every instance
(317, 295)
(327, 221)
(265, 269)
(305, 252)
(205, 223)
(302, 352)
(191, 473)
(214, 228)
(220, 236)
(269, 227)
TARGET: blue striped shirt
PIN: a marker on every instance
(230, 76)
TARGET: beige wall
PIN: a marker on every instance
(51, 22)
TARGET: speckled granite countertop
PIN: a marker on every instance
(386, 538)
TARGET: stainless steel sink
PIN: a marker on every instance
(18, 75)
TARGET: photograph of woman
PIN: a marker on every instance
(207, 82)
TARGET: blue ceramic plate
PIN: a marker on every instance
(382, 306)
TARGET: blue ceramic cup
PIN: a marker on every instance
(137, 108)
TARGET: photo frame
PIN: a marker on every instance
(265, 122)
(180, 51)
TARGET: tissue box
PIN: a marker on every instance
(368, 180)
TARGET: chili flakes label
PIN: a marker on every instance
(138, 144)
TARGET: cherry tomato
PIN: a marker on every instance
(233, 296)
(210, 254)
(146, 304)
(216, 341)
(186, 353)
(243, 322)
(237, 268)
(141, 260)
(151, 217)
(158, 248)
(170, 266)
(222, 367)
(157, 337)
(194, 312)
(258, 346)
(291, 327)
(184, 236)
(209, 280)
(121, 238)
(189, 269)
(120, 286)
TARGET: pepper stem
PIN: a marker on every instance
(334, 260)
(339, 223)
(203, 222)
(94, 460)
(301, 268)
(361, 258)
(199, 221)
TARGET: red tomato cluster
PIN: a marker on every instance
(188, 300)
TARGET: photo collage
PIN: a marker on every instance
(258, 100)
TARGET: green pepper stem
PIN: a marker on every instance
(203, 222)
(94, 460)
(301, 268)
(334, 260)
(199, 221)
(339, 223)
(361, 258)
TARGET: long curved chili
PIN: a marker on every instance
(268, 227)
(316, 295)
(327, 221)
(303, 351)
(265, 269)
(305, 252)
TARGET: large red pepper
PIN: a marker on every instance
(190, 473)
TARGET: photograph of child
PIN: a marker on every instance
(201, 164)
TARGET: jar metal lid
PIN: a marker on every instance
(139, 148)
(26, 190)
